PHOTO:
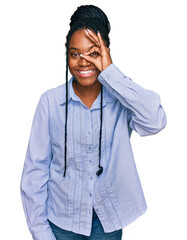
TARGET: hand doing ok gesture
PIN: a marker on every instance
(102, 57)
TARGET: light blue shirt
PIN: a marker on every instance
(116, 194)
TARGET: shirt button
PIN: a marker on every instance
(89, 147)
(90, 161)
(91, 178)
(90, 195)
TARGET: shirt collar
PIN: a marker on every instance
(107, 97)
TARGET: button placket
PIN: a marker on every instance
(90, 154)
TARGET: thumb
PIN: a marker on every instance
(92, 60)
(88, 58)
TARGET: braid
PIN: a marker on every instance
(92, 17)
(66, 115)
(101, 121)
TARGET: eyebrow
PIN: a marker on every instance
(73, 48)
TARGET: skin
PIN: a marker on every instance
(94, 56)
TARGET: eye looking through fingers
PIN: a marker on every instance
(95, 51)
(94, 54)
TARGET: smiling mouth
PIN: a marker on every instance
(86, 73)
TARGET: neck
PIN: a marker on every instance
(87, 92)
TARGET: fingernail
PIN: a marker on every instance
(88, 30)
(81, 55)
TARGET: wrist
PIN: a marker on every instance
(107, 65)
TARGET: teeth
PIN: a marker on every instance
(86, 72)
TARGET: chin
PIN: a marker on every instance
(85, 82)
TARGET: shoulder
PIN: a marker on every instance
(55, 94)
(54, 91)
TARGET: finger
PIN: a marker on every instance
(92, 36)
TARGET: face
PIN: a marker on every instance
(83, 71)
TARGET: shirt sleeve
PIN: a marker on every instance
(145, 113)
(36, 173)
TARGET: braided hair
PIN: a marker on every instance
(91, 17)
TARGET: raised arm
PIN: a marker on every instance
(145, 112)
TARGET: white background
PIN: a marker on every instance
(149, 44)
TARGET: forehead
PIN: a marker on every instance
(80, 41)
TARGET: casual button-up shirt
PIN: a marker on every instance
(116, 194)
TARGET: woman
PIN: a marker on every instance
(79, 179)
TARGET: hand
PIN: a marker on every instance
(99, 55)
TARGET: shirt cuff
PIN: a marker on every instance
(115, 81)
(111, 74)
(47, 235)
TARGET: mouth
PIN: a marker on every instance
(87, 73)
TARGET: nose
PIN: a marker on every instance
(83, 62)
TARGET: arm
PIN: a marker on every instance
(145, 113)
(36, 173)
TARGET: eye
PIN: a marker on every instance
(94, 54)
(75, 55)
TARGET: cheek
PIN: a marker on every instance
(71, 64)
